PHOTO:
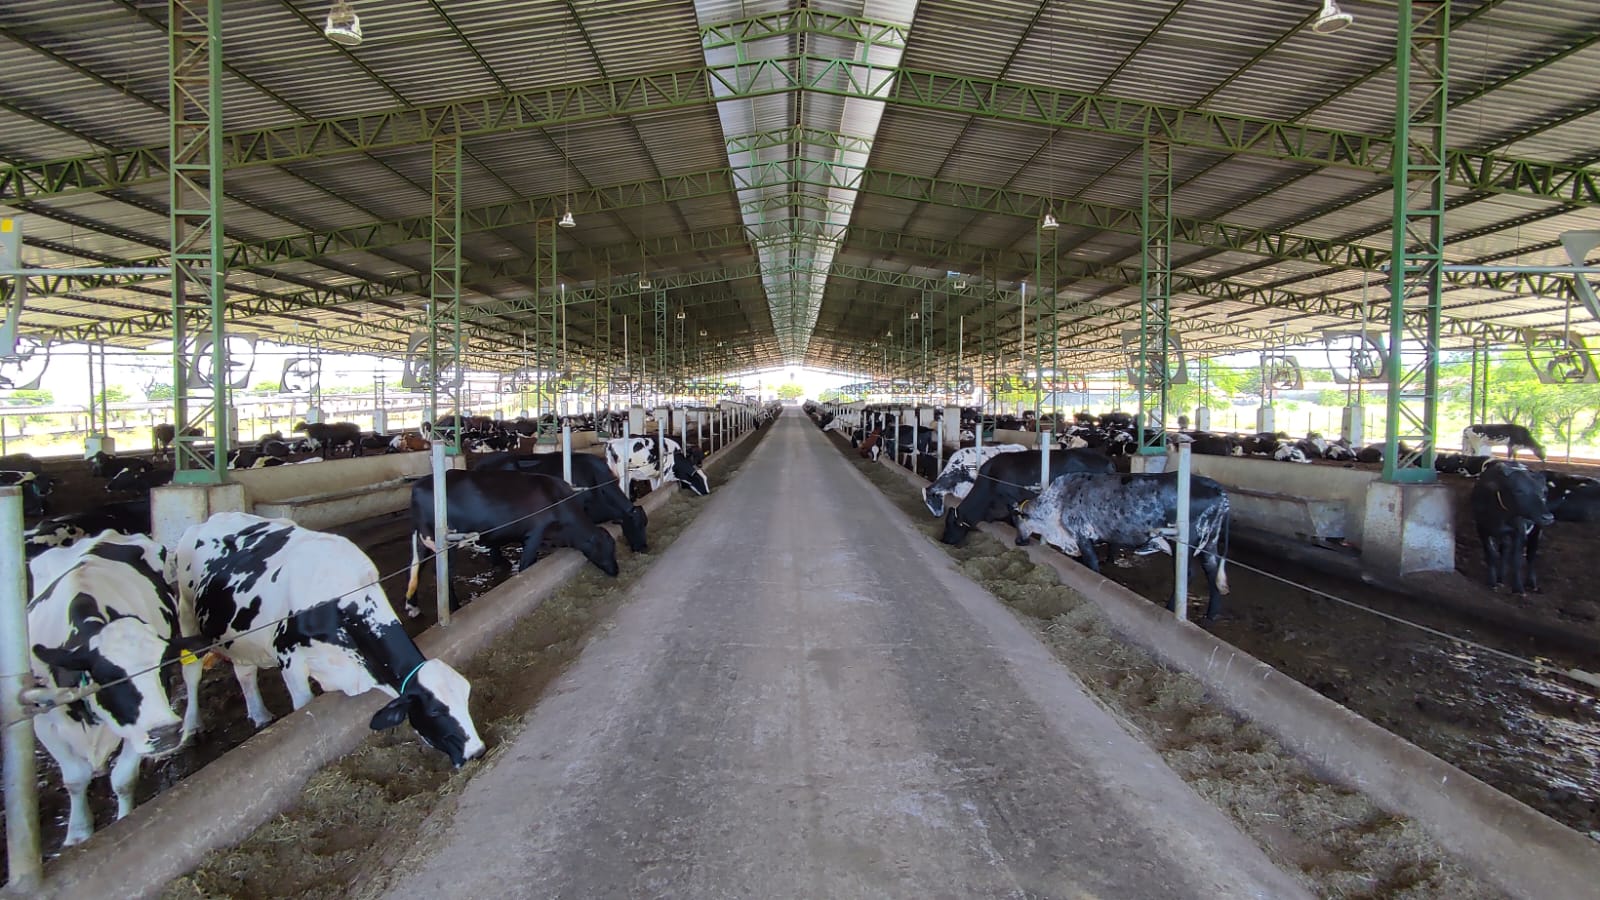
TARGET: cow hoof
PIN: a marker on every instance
(413, 611)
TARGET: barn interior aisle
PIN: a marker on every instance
(801, 699)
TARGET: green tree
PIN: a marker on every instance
(158, 390)
(32, 398)
(790, 391)
(267, 387)
(115, 393)
(833, 396)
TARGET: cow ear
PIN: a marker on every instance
(192, 644)
(392, 714)
(63, 658)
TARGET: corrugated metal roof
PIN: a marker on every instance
(910, 184)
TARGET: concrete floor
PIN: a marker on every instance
(804, 700)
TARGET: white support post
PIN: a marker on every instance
(441, 534)
(1180, 545)
(938, 446)
(566, 452)
(662, 421)
(20, 778)
(1044, 460)
(683, 428)
(627, 457)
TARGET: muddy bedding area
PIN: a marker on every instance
(1338, 842)
(355, 816)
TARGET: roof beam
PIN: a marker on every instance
(1134, 120)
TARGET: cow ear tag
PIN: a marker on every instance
(187, 657)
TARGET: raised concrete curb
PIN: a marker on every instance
(224, 802)
(1518, 849)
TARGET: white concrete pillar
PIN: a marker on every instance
(1266, 420)
(1202, 418)
(313, 414)
(175, 507)
(1352, 421)
(380, 421)
(1408, 528)
(98, 443)
(636, 419)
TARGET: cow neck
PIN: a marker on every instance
(386, 650)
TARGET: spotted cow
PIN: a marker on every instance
(103, 616)
(644, 463)
(960, 473)
(274, 594)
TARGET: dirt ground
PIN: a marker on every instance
(331, 843)
(1338, 842)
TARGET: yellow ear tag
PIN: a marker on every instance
(187, 657)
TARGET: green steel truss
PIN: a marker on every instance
(195, 192)
(816, 23)
(444, 298)
(1155, 295)
(1422, 82)
(545, 108)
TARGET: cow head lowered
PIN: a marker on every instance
(686, 467)
(434, 699)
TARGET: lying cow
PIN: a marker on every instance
(603, 501)
(35, 486)
(104, 465)
(274, 594)
(1479, 440)
(959, 474)
(1009, 480)
(1133, 511)
(103, 616)
(130, 481)
(503, 508)
(644, 463)
(129, 517)
(1509, 501)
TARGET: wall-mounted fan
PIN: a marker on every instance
(1357, 356)
(238, 361)
(23, 364)
(419, 374)
(1175, 370)
(303, 374)
(1559, 357)
(1282, 372)
(1578, 245)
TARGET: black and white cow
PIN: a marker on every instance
(603, 501)
(959, 474)
(103, 615)
(130, 517)
(104, 465)
(504, 508)
(330, 437)
(1479, 440)
(36, 486)
(1009, 480)
(1509, 501)
(1460, 464)
(644, 463)
(237, 573)
(130, 481)
(1133, 511)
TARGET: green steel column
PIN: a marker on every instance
(547, 317)
(658, 300)
(445, 282)
(1422, 64)
(1155, 288)
(195, 195)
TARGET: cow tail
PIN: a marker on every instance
(416, 568)
(1222, 560)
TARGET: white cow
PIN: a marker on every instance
(317, 610)
(960, 473)
(102, 614)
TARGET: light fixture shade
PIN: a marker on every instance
(567, 221)
(682, 315)
(644, 284)
(915, 316)
(1049, 223)
(702, 332)
(343, 26)
(1332, 18)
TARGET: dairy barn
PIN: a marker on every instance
(1197, 505)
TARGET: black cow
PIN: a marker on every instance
(603, 501)
(164, 434)
(21, 462)
(129, 517)
(138, 482)
(1009, 480)
(104, 465)
(36, 486)
(1478, 439)
(329, 437)
(1138, 510)
(1460, 464)
(1507, 502)
(505, 508)
(1573, 498)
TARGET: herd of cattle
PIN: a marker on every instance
(1086, 503)
(113, 613)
